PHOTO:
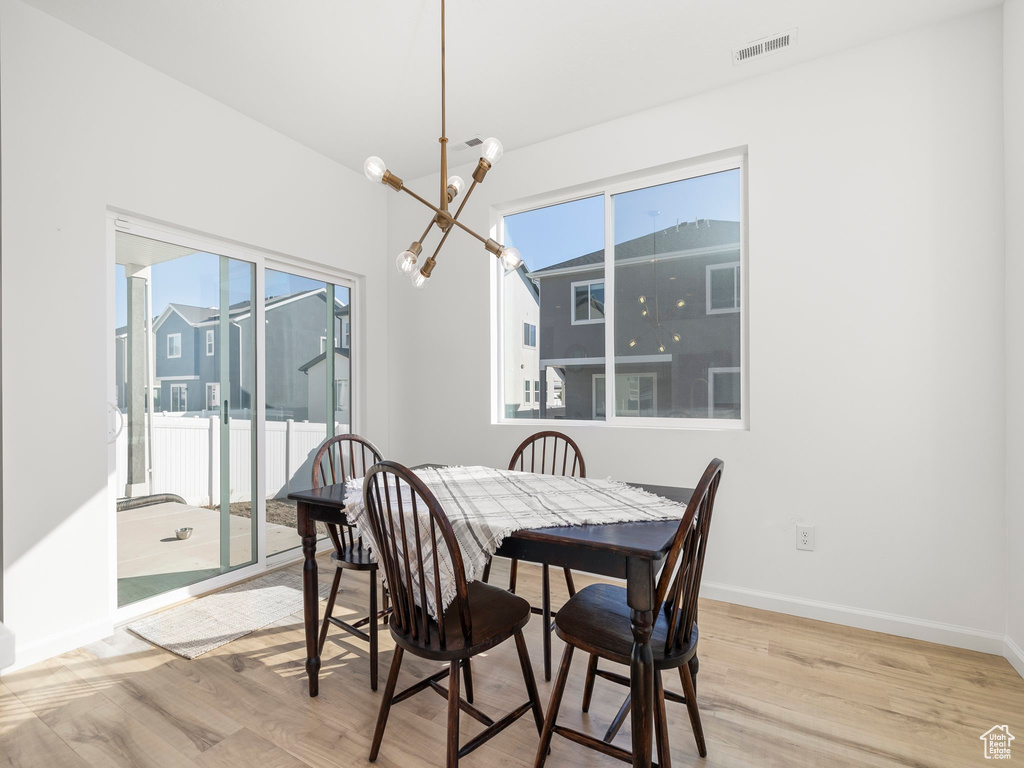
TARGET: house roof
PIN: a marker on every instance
(320, 358)
(686, 236)
(198, 315)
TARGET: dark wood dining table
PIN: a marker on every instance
(630, 551)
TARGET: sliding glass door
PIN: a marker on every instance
(308, 326)
(185, 385)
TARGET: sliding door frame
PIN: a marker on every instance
(118, 221)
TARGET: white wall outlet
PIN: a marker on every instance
(805, 537)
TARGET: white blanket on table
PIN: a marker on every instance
(485, 505)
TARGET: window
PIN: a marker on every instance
(323, 344)
(723, 288)
(345, 331)
(213, 395)
(341, 394)
(659, 282)
(526, 391)
(179, 397)
(636, 394)
(588, 302)
(529, 335)
(173, 345)
(209, 343)
(724, 393)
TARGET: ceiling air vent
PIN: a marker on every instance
(472, 141)
(764, 47)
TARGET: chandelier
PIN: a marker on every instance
(408, 260)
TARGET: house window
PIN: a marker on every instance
(638, 309)
(724, 385)
(723, 288)
(213, 395)
(340, 394)
(345, 331)
(173, 345)
(526, 391)
(179, 397)
(588, 302)
(636, 394)
(536, 391)
(529, 335)
(323, 344)
(209, 343)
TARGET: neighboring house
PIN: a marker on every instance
(677, 301)
(187, 349)
(316, 387)
(521, 303)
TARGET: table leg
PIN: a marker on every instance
(310, 595)
(640, 596)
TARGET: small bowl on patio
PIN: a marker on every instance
(183, 533)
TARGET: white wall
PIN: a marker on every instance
(876, 332)
(1013, 90)
(85, 128)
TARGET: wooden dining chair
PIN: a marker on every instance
(541, 453)
(342, 458)
(412, 530)
(597, 620)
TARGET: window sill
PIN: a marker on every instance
(626, 422)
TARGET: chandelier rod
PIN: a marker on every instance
(444, 133)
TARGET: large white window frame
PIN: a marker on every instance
(263, 260)
(608, 188)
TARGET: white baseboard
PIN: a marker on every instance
(54, 645)
(889, 623)
(1014, 654)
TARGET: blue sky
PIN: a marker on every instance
(195, 280)
(546, 236)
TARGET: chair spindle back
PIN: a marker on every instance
(340, 459)
(542, 454)
(411, 530)
(679, 583)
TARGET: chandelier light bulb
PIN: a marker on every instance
(661, 347)
(632, 342)
(642, 299)
(680, 303)
(675, 337)
(643, 313)
(406, 262)
(510, 259)
(491, 150)
(374, 168)
(419, 280)
(457, 183)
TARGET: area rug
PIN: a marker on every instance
(192, 629)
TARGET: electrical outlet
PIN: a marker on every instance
(805, 537)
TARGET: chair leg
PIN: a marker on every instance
(487, 571)
(546, 619)
(453, 715)
(691, 707)
(661, 723)
(569, 583)
(329, 610)
(512, 572)
(467, 676)
(588, 687)
(619, 719)
(385, 702)
(373, 629)
(530, 680)
(553, 704)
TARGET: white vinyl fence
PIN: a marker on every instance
(186, 457)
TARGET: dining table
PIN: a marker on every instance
(633, 551)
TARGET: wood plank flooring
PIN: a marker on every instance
(774, 690)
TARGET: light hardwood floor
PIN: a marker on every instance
(773, 690)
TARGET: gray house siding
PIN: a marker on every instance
(681, 369)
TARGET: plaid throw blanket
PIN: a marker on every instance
(485, 505)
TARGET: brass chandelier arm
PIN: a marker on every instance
(446, 215)
(454, 220)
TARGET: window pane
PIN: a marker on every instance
(580, 302)
(560, 245)
(666, 343)
(596, 301)
(722, 288)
